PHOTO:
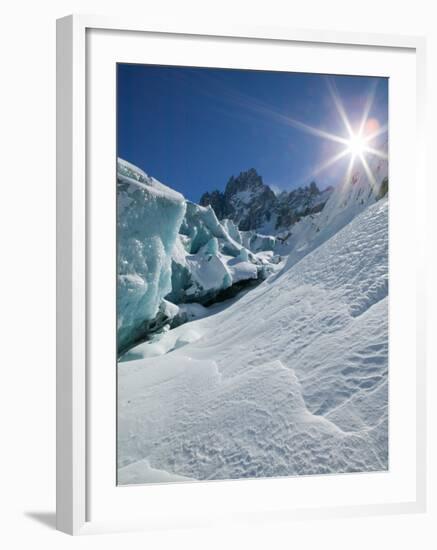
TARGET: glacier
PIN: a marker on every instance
(300, 389)
(171, 252)
(246, 353)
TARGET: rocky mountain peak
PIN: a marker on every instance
(251, 204)
(249, 180)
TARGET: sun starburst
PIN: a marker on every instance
(358, 144)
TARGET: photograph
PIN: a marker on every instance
(221, 228)
(252, 273)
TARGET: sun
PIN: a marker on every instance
(356, 145)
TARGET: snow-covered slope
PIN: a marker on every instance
(291, 379)
(348, 199)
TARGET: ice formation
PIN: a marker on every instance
(149, 215)
(209, 258)
(171, 251)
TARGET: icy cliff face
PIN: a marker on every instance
(149, 216)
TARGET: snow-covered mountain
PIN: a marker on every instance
(252, 205)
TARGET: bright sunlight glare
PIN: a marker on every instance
(356, 145)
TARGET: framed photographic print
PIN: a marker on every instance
(240, 275)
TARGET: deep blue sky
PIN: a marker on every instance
(192, 128)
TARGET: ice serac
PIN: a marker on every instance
(257, 242)
(149, 215)
(209, 262)
(200, 224)
(232, 230)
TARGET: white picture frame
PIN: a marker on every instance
(74, 347)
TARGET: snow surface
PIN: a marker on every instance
(290, 379)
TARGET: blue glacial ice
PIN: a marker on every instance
(148, 221)
(208, 258)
